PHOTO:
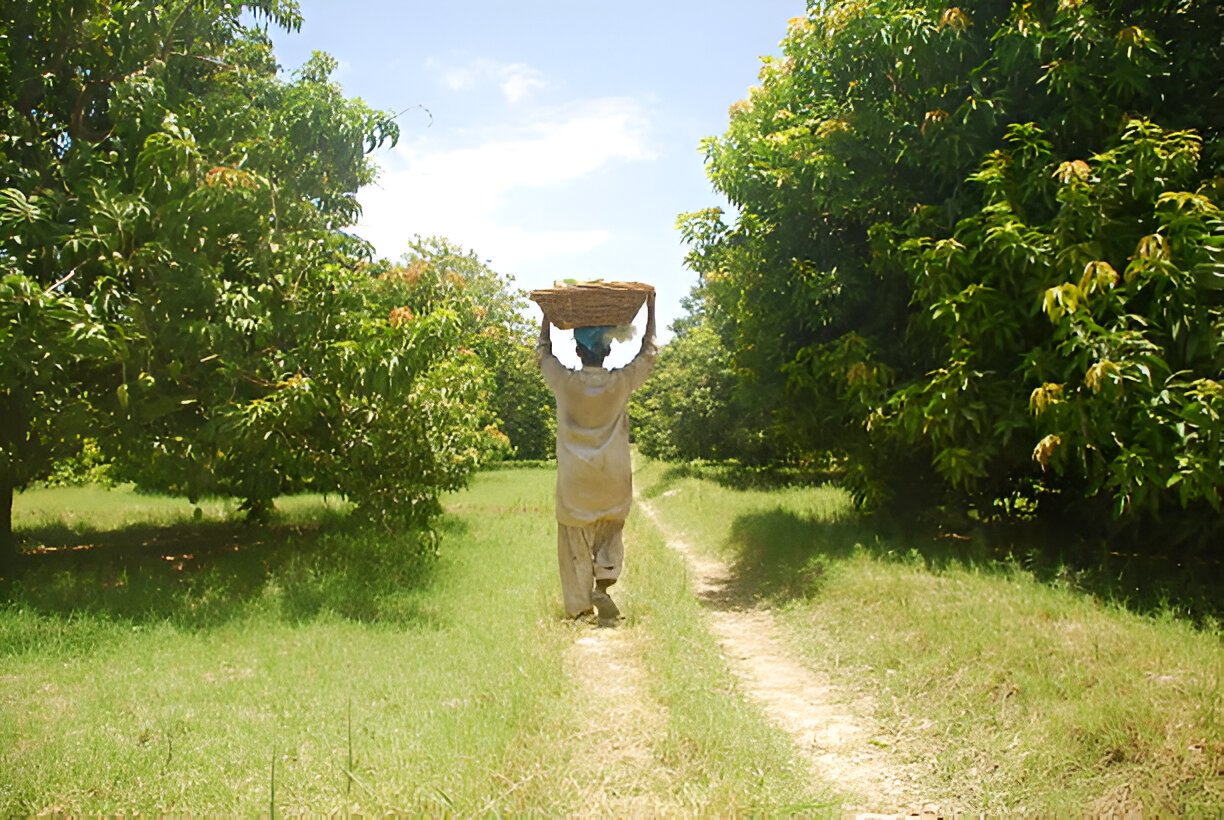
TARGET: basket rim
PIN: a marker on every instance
(591, 304)
(627, 287)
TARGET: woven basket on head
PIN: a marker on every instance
(592, 303)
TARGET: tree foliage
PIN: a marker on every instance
(524, 406)
(977, 249)
(176, 280)
(687, 408)
(518, 420)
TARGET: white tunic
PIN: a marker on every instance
(594, 476)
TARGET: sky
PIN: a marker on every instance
(556, 139)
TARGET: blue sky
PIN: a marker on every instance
(562, 137)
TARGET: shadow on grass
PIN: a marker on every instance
(781, 556)
(735, 476)
(204, 574)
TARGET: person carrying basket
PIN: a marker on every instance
(594, 474)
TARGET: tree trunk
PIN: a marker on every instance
(8, 544)
(13, 432)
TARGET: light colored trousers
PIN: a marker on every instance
(585, 555)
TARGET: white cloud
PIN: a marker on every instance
(515, 80)
(464, 191)
(518, 80)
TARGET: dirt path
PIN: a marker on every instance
(623, 776)
(829, 726)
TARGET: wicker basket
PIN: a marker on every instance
(592, 303)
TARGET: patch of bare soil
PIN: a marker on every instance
(830, 726)
(621, 777)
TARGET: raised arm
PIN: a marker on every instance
(550, 365)
(638, 369)
(650, 320)
(545, 331)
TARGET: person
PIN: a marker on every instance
(594, 475)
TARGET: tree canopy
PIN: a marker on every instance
(976, 250)
(176, 281)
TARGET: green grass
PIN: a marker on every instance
(94, 509)
(171, 674)
(153, 660)
(722, 750)
(1016, 694)
(158, 661)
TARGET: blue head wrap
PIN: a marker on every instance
(594, 339)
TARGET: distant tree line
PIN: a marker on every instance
(976, 255)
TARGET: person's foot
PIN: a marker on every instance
(605, 606)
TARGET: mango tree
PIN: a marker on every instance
(976, 250)
(184, 291)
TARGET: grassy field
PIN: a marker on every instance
(155, 659)
(1013, 694)
(158, 659)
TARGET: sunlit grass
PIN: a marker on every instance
(1014, 694)
(156, 661)
(722, 750)
(48, 514)
(374, 678)
(169, 666)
